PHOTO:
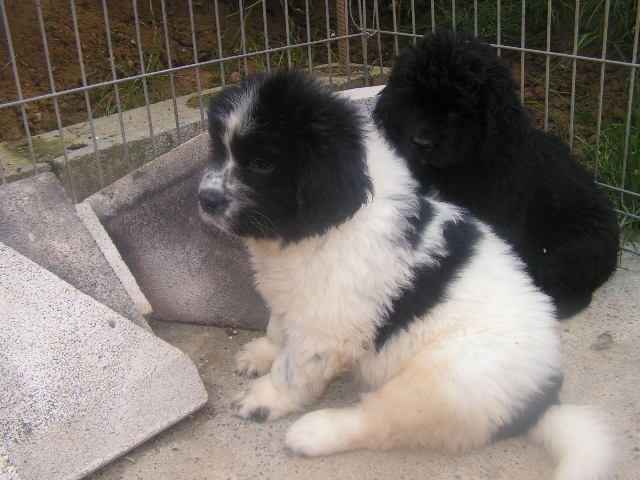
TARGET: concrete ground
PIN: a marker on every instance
(602, 348)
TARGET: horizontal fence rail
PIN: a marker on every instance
(121, 65)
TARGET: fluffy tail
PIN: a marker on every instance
(581, 442)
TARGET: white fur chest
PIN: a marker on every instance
(332, 285)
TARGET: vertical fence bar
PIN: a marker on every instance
(574, 68)
(287, 32)
(344, 54)
(498, 26)
(433, 15)
(196, 61)
(394, 16)
(342, 17)
(172, 84)
(547, 68)
(475, 17)
(630, 101)
(413, 20)
(376, 23)
(603, 56)
(16, 79)
(219, 35)
(243, 38)
(362, 18)
(453, 15)
(329, 51)
(523, 36)
(83, 78)
(116, 88)
(308, 22)
(265, 30)
(56, 106)
(145, 88)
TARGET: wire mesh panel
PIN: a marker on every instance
(91, 90)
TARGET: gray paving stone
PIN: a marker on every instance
(189, 272)
(38, 220)
(79, 384)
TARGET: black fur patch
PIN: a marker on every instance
(259, 415)
(430, 282)
(417, 223)
(531, 412)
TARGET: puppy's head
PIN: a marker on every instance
(450, 101)
(287, 160)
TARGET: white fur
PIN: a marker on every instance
(445, 382)
(257, 356)
(580, 441)
(223, 178)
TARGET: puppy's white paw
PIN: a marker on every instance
(261, 402)
(256, 357)
(325, 432)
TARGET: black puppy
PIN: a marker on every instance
(451, 110)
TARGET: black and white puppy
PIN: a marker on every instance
(451, 110)
(454, 343)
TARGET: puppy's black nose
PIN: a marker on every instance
(422, 142)
(211, 199)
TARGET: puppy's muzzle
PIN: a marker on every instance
(212, 200)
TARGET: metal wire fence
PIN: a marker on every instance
(93, 89)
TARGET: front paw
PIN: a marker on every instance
(244, 407)
(256, 357)
(262, 402)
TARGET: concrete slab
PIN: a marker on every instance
(80, 384)
(214, 445)
(38, 220)
(187, 271)
(111, 254)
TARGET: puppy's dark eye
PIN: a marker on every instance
(261, 166)
(422, 142)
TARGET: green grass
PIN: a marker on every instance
(132, 92)
(591, 17)
(591, 21)
(611, 171)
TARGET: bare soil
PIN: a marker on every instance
(60, 35)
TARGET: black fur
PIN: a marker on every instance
(451, 110)
(259, 415)
(301, 120)
(537, 404)
(417, 223)
(430, 283)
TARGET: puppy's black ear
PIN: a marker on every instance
(332, 187)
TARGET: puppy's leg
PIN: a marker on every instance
(255, 358)
(417, 408)
(298, 376)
